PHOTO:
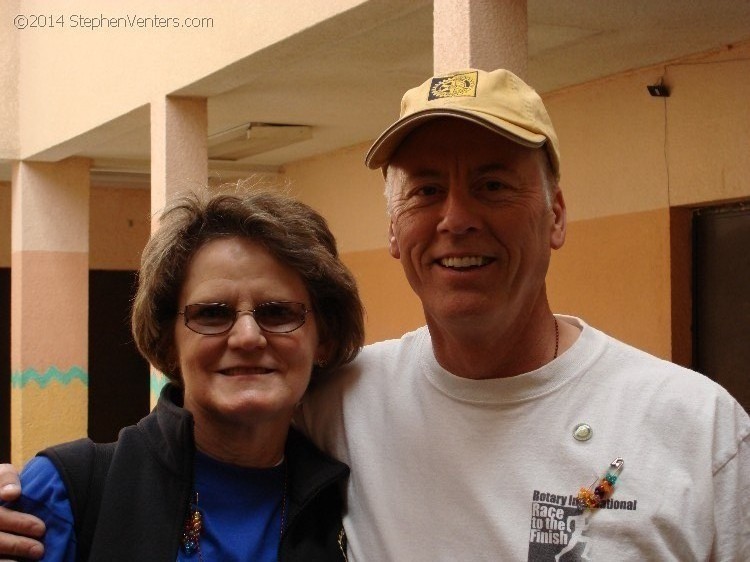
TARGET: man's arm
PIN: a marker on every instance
(18, 531)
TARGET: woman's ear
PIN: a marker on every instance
(323, 354)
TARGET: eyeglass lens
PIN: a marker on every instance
(217, 318)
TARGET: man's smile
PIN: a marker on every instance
(464, 262)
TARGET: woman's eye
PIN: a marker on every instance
(276, 313)
(213, 312)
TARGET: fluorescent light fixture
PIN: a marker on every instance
(254, 138)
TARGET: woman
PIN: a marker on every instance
(241, 300)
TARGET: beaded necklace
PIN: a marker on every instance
(193, 526)
(557, 338)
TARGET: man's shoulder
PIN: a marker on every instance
(408, 338)
(641, 369)
(375, 362)
(392, 347)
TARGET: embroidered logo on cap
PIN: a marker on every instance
(458, 85)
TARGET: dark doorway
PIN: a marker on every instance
(5, 364)
(118, 375)
(721, 262)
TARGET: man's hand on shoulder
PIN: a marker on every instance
(18, 531)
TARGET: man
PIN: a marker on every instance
(500, 431)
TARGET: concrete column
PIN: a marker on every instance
(484, 34)
(179, 147)
(179, 162)
(49, 304)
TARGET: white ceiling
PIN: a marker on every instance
(345, 77)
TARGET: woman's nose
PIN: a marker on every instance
(246, 332)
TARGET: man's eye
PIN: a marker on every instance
(425, 191)
(492, 185)
(493, 190)
(428, 190)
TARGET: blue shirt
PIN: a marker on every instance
(241, 509)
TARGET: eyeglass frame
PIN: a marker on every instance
(251, 311)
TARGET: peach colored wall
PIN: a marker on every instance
(612, 147)
(119, 227)
(624, 151)
(709, 129)
(348, 194)
(49, 277)
(614, 273)
(49, 305)
(628, 157)
(390, 306)
(53, 198)
(49, 352)
(8, 81)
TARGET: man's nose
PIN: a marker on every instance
(460, 214)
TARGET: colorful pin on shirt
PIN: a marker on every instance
(602, 488)
(192, 528)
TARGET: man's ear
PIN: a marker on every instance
(559, 226)
(392, 242)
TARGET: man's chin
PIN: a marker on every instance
(470, 312)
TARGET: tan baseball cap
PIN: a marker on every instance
(498, 100)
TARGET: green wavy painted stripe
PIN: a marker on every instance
(20, 379)
(158, 380)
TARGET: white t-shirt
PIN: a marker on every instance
(451, 469)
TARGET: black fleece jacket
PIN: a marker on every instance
(146, 491)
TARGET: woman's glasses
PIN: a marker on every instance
(213, 318)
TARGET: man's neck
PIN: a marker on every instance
(486, 351)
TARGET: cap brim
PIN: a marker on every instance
(382, 150)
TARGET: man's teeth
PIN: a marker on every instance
(470, 261)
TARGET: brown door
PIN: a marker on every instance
(118, 375)
(721, 259)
